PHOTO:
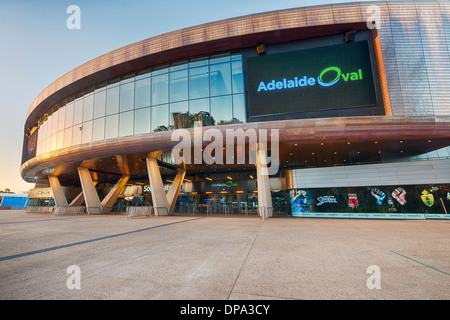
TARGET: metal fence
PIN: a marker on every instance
(69, 210)
(142, 211)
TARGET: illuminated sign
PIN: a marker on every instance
(305, 81)
(323, 78)
(221, 185)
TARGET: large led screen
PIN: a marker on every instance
(323, 78)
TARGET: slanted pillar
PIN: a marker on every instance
(90, 194)
(174, 190)
(112, 195)
(160, 203)
(58, 193)
(264, 196)
(79, 199)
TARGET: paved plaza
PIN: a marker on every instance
(221, 258)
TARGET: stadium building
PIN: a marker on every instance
(353, 99)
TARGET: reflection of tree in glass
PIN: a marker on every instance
(161, 128)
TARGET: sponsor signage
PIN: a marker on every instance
(224, 185)
(324, 78)
(40, 193)
(326, 199)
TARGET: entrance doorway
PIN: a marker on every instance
(239, 203)
(245, 203)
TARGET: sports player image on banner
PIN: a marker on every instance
(298, 201)
(399, 194)
(379, 195)
(353, 200)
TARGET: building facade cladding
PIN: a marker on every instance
(169, 81)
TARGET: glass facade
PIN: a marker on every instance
(208, 89)
(358, 201)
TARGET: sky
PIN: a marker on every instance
(37, 47)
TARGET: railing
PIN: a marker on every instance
(143, 211)
(69, 210)
(36, 209)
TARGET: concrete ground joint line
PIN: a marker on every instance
(420, 263)
(245, 260)
(82, 242)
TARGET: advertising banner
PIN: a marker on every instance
(323, 78)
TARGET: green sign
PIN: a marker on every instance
(324, 78)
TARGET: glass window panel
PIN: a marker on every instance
(49, 126)
(68, 137)
(98, 130)
(236, 56)
(87, 132)
(195, 106)
(142, 93)
(179, 85)
(127, 96)
(198, 82)
(219, 58)
(112, 100)
(160, 118)
(55, 122)
(113, 83)
(238, 108)
(179, 115)
(88, 108)
(220, 77)
(126, 124)
(60, 140)
(160, 69)
(43, 131)
(112, 126)
(61, 118)
(76, 135)
(48, 144)
(78, 111)
(238, 82)
(99, 104)
(69, 115)
(39, 148)
(196, 62)
(143, 74)
(221, 110)
(54, 142)
(39, 136)
(179, 65)
(142, 120)
(160, 89)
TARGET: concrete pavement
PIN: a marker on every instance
(218, 257)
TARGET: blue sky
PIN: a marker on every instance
(37, 48)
